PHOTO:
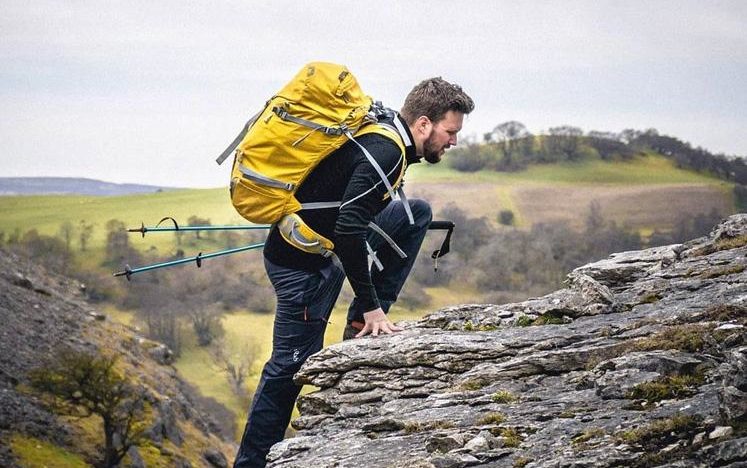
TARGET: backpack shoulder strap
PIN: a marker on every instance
(392, 134)
(397, 137)
(386, 130)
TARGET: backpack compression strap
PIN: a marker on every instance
(227, 152)
(285, 115)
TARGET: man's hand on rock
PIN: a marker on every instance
(377, 323)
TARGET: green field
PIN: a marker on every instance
(47, 213)
(645, 193)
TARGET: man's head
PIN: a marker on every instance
(434, 111)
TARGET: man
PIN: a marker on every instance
(308, 285)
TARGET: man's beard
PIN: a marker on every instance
(430, 153)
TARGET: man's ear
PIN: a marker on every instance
(423, 125)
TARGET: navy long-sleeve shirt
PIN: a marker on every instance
(345, 175)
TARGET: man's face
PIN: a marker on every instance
(443, 136)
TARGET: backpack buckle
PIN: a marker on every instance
(336, 131)
(280, 112)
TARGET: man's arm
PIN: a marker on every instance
(361, 202)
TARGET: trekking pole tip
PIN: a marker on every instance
(142, 229)
(127, 272)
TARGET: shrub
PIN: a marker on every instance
(503, 396)
(671, 386)
(685, 337)
(506, 217)
(470, 158)
(412, 427)
(473, 384)
(587, 435)
(492, 418)
(524, 321)
(511, 437)
(660, 432)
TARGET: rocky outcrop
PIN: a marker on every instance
(640, 361)
(42, 313)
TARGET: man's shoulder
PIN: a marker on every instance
(382, 148)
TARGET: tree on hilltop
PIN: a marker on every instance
(508, 135)
(565, 140)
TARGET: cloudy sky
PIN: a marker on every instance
(151, 92)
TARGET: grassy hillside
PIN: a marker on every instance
(642, 170)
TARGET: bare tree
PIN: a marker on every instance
(566, 141)
(469, 158)
(507, 135)
(197, 221)
(629, 135)
(47, 250)
(118, 249)
(235, 363)
(85, 232)
(67, 231)
(206, 323)
(229, 239)
(178, 236)
(163, 325)
(594, 219)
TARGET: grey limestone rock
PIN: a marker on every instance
(473, 385)
(215, 458)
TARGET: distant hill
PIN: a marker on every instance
(70, 186)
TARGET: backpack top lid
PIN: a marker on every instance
(322, 87)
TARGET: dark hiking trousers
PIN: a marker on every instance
(304, 303)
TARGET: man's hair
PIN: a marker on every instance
(433, 98)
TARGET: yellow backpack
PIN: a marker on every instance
(319, 110)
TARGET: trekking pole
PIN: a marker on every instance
(143, 229)
(446, 244)
(128, 272)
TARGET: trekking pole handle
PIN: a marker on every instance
(441, 225)
(446, 245)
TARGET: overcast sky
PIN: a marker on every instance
(152, 91)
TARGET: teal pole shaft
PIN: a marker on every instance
(145, 229)
(207, 228)
(197, 259)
